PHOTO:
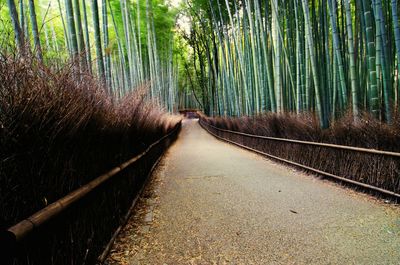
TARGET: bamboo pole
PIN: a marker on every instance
(19, 39)
(26, 226)
(360, 184)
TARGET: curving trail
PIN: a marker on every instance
(212, 203)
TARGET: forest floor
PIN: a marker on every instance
(213, 203)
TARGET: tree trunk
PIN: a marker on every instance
(19, 39)
(35, 31)
(97, 38)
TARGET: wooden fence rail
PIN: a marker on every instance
(209, 127)
(26, 226)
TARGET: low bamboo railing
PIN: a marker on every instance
(207, 127)
(26, 226)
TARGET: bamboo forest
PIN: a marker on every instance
(199, 131)
(326, 57)
(226, 57)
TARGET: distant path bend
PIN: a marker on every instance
(214, 203)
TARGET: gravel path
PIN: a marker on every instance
(212, 203)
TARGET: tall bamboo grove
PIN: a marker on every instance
(323, 56)
(122, 63)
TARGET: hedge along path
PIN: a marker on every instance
(26, 226)
(207, 127)
(215, 203)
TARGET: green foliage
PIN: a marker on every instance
(129, 59)
(326, 57)
(48, 16)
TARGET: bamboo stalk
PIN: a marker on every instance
(19, 39)
(23, 228)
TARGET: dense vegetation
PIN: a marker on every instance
(84, 86)
(56, 135)
(376, 170)
(123, 43)
(322, 56)
(230, 57)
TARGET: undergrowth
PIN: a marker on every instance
(366, 132)
(59, 130)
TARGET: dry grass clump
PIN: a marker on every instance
(366, 132)
(59, 130)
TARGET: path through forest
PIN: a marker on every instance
(213, 203)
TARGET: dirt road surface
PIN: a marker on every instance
(212, 203)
